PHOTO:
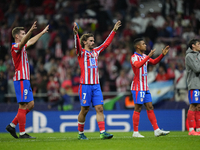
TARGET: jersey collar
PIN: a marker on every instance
(138, 54)
(13, 43)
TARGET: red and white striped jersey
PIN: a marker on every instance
(88, 61)
(139, 65)
(20, 61)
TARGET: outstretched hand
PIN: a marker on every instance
(117, 25)
(165, 51)
(75, 28)
(151, 53)
(45, 29)
(33, 26)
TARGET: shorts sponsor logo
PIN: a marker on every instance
(25, 97)
(196, 98)
(141, 99)
(84, 101)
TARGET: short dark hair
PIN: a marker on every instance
(16, 30)
(193, 41)
(84, 37)
(136, 41)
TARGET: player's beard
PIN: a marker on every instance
(91, 47)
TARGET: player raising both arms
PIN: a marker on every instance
(139, 88)
(89, 89)
(22, 77)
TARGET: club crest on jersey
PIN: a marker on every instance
(196, 98)
(84, 101)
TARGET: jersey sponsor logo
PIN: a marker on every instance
(92, 66)
(144, 74)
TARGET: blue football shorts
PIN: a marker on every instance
(90, 93)
(23, 91)
(193, 96)
(141, 97)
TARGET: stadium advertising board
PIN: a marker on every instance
(115, 121)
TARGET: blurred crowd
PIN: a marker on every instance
(53, 62)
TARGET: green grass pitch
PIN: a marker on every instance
(120, 141)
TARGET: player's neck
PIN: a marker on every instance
(17, 41)
(88, 49)
(139, 52)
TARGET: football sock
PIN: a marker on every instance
(101, 125)
(197, 119)
(190, 116)
(81, 127)
(152, 119)
(15, 120)
(136, 118)
(21, 116)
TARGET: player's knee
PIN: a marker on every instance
(198, 107)
(99, 109)
(84, 112)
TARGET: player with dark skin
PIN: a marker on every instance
(140, 49)
(139, 87)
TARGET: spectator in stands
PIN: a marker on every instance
(2, 66)
(122, 83)
(52, 89)
(180, 83)
(151, 76)
(162, 75)
(3, 86)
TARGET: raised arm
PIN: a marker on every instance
(35, 38)
(109, 39)
(27, 36)
(76, 39)
(158, 59)
(139, 64)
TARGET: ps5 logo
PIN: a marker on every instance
(39, 123)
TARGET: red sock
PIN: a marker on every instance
(152, 119)
(21, 116)
(197, 119)
(190, 117)
(136, 119)
(15, 120)
(101, 125)
(81, 126)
